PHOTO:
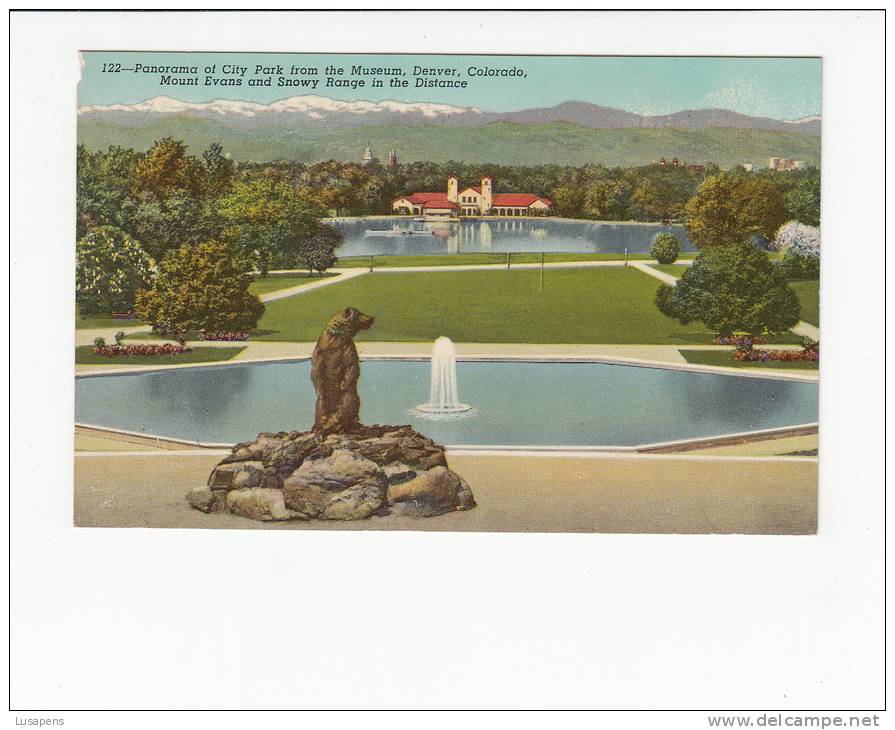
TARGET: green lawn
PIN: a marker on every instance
(809, 297)
(102, 321)
(462, 259)
(673, 269)
(86, 356)
(275, 282)
(724, 358)
(601, 305)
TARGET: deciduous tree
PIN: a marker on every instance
(167, 166)
(266, 223)
(110, 267)
(731, 208)
(733, 288)
(199, 288)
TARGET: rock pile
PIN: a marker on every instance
(374, 470)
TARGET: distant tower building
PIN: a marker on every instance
(393, 158)
(487, 199)
(368, 155)
(452, 188)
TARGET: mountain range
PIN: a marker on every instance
(311, 128)
(320, 111)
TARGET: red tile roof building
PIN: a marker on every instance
(471, 201)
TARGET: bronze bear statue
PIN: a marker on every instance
(335, 368)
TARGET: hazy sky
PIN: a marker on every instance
(783, 88)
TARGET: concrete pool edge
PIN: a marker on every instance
(662, 448)
(543, 357)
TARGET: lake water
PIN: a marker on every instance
(404, 236)
(516, 403)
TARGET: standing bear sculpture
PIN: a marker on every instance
(340, 469)
(335, 368)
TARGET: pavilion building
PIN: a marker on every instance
(471, 201)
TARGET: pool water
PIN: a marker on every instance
(515, 403)
(405, 236)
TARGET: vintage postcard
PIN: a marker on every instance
(448, 292)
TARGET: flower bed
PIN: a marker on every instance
(139, 350)
(810, 352)
(776, 355)
(739, 340)
(224, 336)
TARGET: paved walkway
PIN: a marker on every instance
(645, 267)
(621, 493)
(649, 355)
(803, 329)
(340, 276)
(87, 336)
(500, 267)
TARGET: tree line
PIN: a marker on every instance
(166, 197)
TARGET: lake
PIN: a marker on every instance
(405, 236)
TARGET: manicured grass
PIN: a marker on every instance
(724, 358)
(102, 321)
(275, 282)
(674, 269)
(599, 305)
(86, 356)
(808, 293)
(384, 262)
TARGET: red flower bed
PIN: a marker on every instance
(739, 340)
(750, 355)
(131, 350)
(224, 336)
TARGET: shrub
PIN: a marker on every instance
(665, 248)
(731, 289)
(317, 253)
(111, 267)
(199, 288)
(797, 266)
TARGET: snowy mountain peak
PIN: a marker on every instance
(320, 111)
(296, 104)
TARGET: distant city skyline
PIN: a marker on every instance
(780, 88)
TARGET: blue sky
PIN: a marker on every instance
(783, 88)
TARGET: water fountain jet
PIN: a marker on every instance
(443, 398)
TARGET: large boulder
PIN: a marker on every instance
(373, 471)
(430, 493)
(259, 503)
